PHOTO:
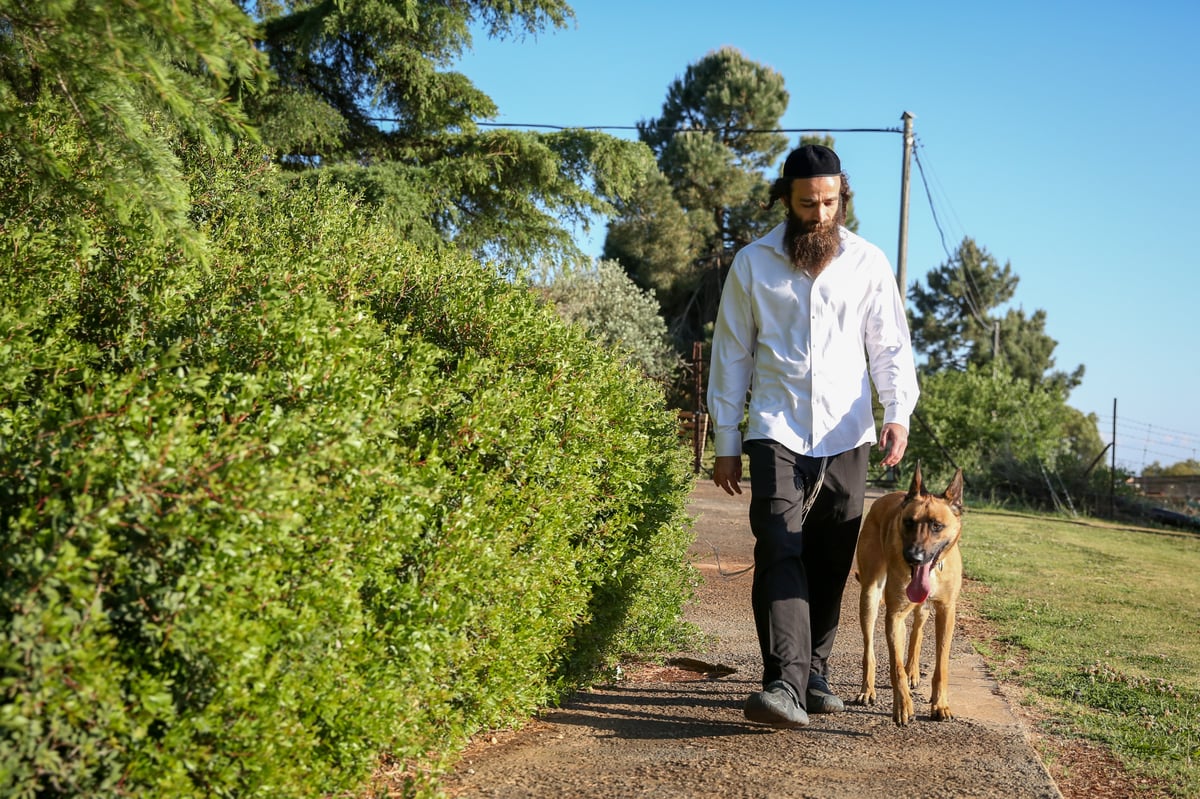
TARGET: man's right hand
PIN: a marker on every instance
(727, 472)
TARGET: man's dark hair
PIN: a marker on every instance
(781, 190)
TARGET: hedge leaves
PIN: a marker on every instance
(315, 499)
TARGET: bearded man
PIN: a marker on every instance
(810, 316)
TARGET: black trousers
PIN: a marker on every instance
(801, 562)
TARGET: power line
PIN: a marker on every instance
(940, 190)
(1123, 421)
(970, 291)
(1160, 447)
(1125, 436)
(1168, 439)
(676, 129)
(929, 197)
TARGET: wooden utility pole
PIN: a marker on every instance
(902, 256)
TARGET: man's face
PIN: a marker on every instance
(811, 237)
(814, 201)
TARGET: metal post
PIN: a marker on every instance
(995, 346)
(1112, 502)
(902, 256)
(698, 427)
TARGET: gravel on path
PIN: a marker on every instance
(677, 730)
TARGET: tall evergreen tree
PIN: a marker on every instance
(955, 321)
(715, 142)
(366, 91)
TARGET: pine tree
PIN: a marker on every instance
(955, 321)
(365, 94)
(714, 144)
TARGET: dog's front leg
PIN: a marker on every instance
(913, 664)
(868, 612)
(940, 698)
(902, 704)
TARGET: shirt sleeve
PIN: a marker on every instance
(889, 350)
(732, 362)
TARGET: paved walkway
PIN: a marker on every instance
(673, 732)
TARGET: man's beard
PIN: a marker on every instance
(811, 247)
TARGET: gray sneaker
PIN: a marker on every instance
(776, 706)
(819, 698)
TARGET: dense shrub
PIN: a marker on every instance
(318, 498)
(615, 311)
(1016, 443)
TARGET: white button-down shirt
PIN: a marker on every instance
(801, 347)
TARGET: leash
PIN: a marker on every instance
(721, 571)
(812, 497)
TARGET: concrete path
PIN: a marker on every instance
(677, 732)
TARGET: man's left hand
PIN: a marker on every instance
(893, 440)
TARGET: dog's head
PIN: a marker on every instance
(930, 525)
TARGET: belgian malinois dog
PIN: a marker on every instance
(908, 553)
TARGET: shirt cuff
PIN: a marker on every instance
(727, 442)
(894, 415)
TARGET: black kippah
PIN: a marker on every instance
(812, 161)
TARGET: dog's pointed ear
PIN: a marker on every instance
(918, 487)
(954, 493)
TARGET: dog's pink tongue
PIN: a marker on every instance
(919, 588)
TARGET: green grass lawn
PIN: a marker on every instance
(1101, 625)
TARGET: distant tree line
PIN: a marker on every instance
(1185, 468)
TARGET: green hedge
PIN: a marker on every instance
(318, 500)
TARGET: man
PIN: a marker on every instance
(807, 313)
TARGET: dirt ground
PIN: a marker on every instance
(678, 731)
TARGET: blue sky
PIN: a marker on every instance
(1062, 137)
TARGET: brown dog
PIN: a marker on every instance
(908, 552)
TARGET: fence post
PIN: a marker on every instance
(1112, 478)
(700, 421)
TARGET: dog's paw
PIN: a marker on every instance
(865, 698)
(941, 712)
(902, 710)
(914, 679)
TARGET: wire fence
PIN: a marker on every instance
(1145, 443)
